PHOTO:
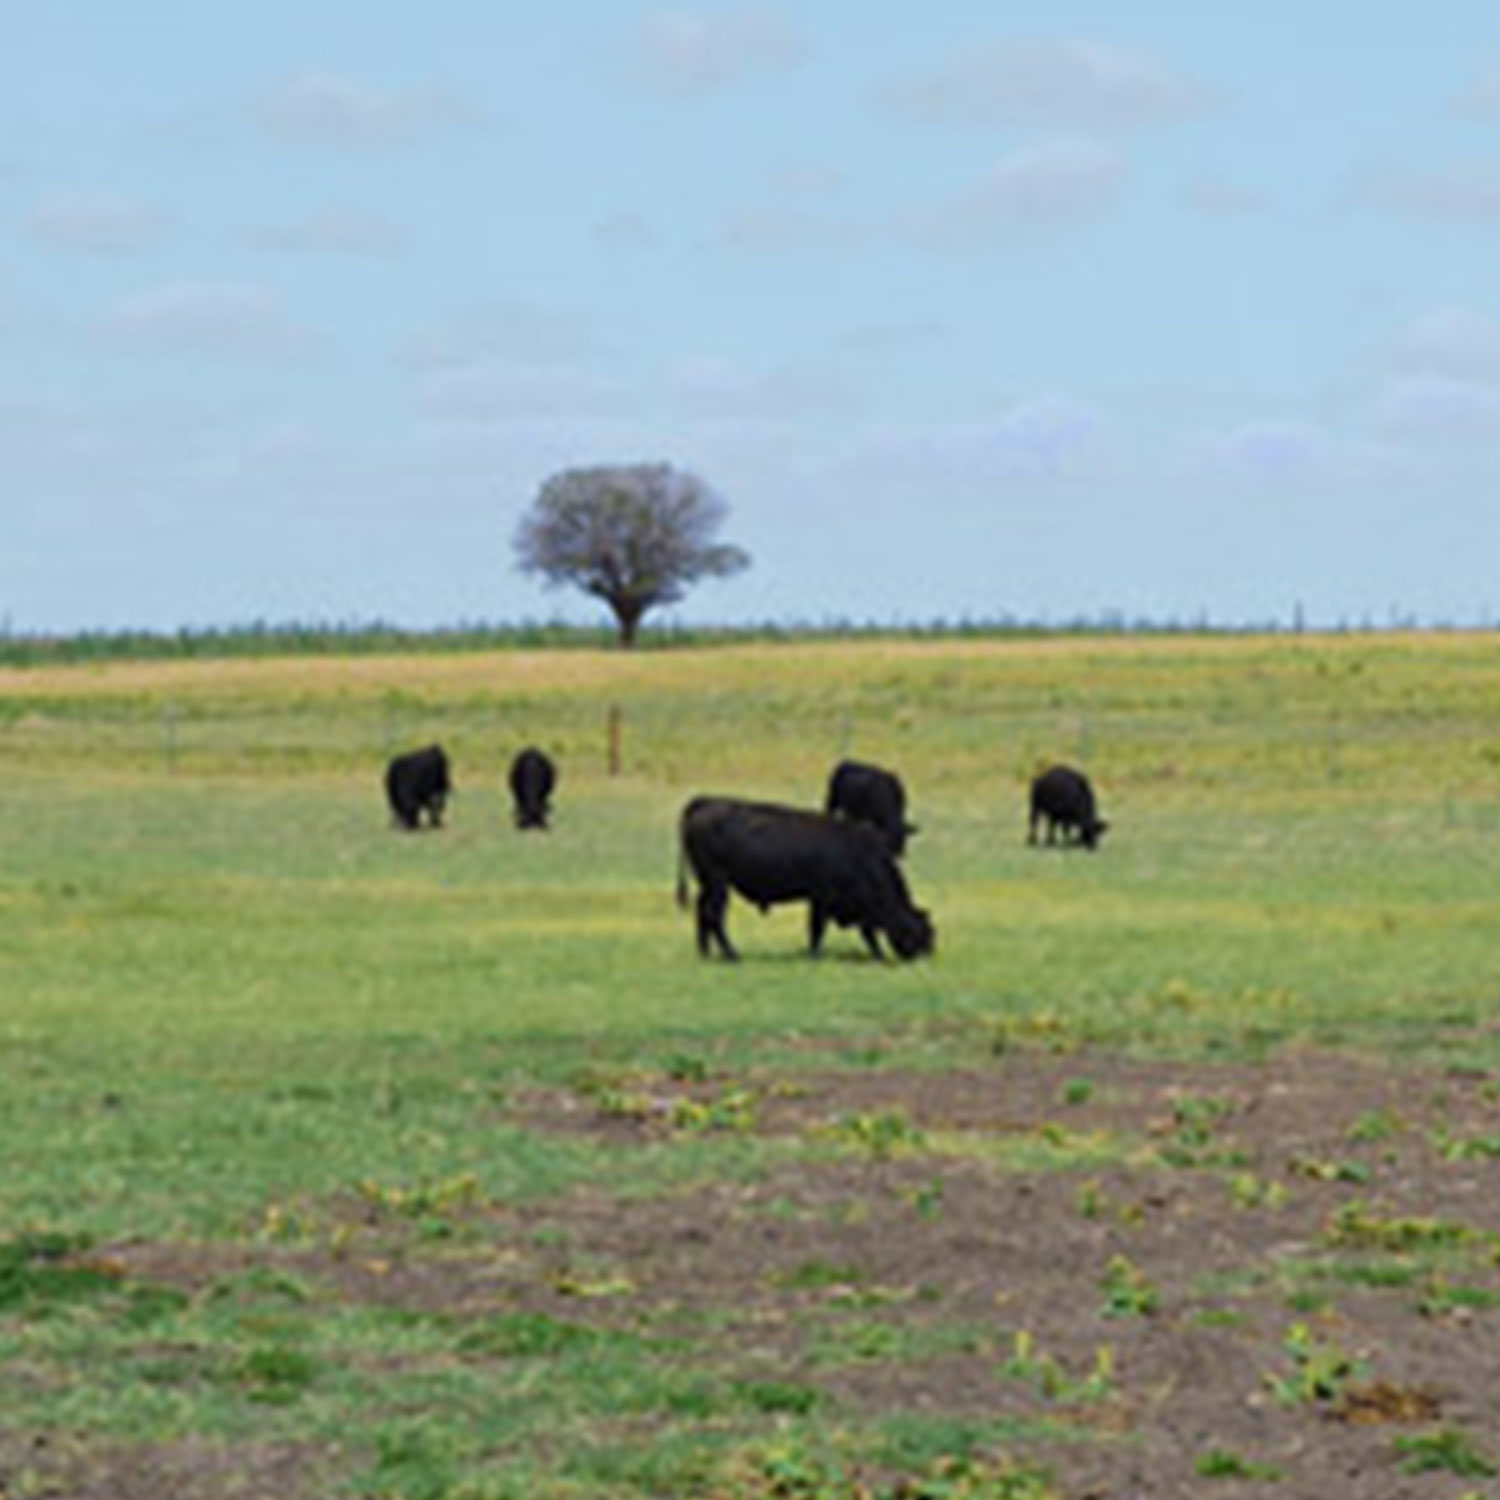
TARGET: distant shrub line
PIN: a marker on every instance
(260, 639)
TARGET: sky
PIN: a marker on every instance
(1168, 312)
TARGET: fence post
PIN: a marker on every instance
(169, 736)
(615, 734)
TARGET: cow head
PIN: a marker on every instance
(911, 933)
(1093, 831)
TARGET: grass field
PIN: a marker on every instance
(288, 1097)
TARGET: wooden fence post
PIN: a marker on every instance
(616, 733)
(169, 736)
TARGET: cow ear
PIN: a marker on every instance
(910, 828)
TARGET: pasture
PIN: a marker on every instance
(438, 1166)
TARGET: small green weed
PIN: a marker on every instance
(818, 1275)
(1077, 1091)
(1127, 1292)
(1449, 1451)
(881, 1133)
(1443, 1299)
(1248, 1191)
(732, 1110)
(1320, 1371)
(1051, 1380)
(1356, 1226)
(797, 1469)
(1376, 1125)
(1317, 1170)
(434, 1200)
(1219, 1463)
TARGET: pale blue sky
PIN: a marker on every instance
(1172, 309)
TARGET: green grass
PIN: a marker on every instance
(232, 995)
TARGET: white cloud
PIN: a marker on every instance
(1463, 193)
(1054, 83)
(334, 231)
(1056, 186)
(95, 224)
(326, 111)
(1449, 341)
(688, 54)
(1441, 408)
(1264, 452)
(212, 320)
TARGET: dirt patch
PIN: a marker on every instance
(1155, 1279)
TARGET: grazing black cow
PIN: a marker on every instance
(772, 854)
(873, 795)
(416, 783)
(1065, 799)
(532, 777)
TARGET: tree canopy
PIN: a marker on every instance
(634, 535)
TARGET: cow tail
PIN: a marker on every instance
(682, 884)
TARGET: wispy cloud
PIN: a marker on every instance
(801, 211)
(1460, 193)
(1448, 341)
(1482, 97)
(1054, 186)
(330, 112)
(95, 224)
(334, 231)
(1441, 408)
(209, 320)
(622, 230)
(718, 388)
(1262, 452)
(1036, 442)
(1054, 83)
(1215, 196)
(510, 332)
(689, 54)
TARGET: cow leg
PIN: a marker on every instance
(872, 942)
(817, 925)
(712, 903)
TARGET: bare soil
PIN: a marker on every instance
(1156, 1279)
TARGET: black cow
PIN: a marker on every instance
(1065, 799)
(873, 795)
(416, 783)
(772, 854)
(532, 777)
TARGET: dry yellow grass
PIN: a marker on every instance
(565, 671)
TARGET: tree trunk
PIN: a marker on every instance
(628, 614)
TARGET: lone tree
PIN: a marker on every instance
(633, 535)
